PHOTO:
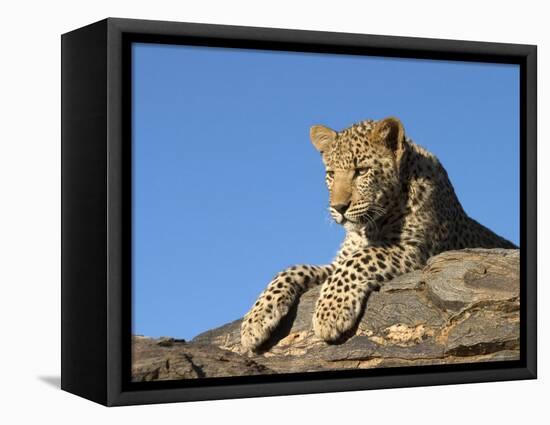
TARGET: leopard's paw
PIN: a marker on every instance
(258, 325)
(335, 316)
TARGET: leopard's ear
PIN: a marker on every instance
(391, 132)
(321, 137)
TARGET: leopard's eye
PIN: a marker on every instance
(361, 171)
(330, 174)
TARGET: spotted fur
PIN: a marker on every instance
(398, 207)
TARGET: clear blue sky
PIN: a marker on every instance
(228, 189)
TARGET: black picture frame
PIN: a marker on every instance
(96, 208)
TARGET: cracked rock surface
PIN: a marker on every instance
(463, 307)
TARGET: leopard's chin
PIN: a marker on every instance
(348, 222)
(342, 220)
(352, 226)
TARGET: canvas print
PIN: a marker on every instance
(302, 212)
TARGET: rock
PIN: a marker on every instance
(156, 360)
(462, 307)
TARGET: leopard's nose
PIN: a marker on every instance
(341, 208)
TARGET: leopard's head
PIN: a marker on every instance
(362, 168)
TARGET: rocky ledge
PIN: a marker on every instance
(463, 307)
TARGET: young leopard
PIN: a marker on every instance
(398, 207)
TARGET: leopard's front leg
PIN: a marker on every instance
(344, 292)
(276, 300)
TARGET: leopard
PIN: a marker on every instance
(398, 208)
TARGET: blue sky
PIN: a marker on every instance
(228, 190)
